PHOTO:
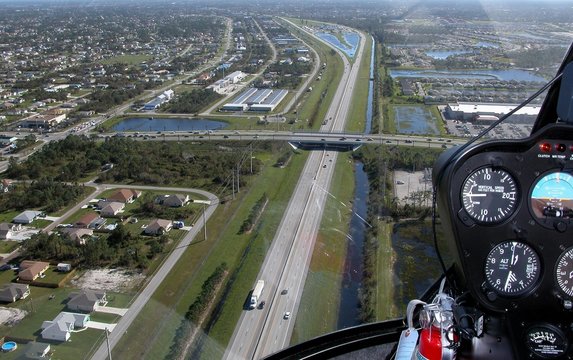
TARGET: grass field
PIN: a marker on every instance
(127, 59)
(322, 287)
(385, 297)
(242, 253)
(356, 121)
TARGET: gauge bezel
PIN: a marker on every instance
(506, 216)
(546, 327)
(529, 288)
(555, 271)
(547, 222)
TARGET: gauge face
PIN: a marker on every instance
(552, 196)
(564, 272)
(546, 341)
(512, 268)
(489, 196)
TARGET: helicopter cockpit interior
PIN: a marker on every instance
(506, 209)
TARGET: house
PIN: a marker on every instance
(12, 292)
(86, 300)
(176, 200)
(37, 350)
(26, 217)
(6, 184)
(125, 196)
(30, 270)
(158, 227)
(60, 328)
(90, 220)
(7, 230)
(78, 235)
(112, 208)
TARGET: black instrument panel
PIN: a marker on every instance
(507, 209)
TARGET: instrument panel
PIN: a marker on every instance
(507, 207)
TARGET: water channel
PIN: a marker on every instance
(167, 124)
(352, 277)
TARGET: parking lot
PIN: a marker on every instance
(502, 131)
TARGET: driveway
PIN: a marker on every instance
(112, 310)
(99, 325)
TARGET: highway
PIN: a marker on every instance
(264, 331)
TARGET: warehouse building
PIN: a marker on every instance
(486, 113)
(256, 100)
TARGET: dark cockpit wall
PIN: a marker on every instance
(507, 331)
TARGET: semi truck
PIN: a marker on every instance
(256, 295)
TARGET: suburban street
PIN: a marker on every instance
(159, 276)
(263, 332)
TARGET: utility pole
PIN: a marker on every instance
(238, 177)
(108, 346)
(233, 172)
(205, 220)
(251, 146)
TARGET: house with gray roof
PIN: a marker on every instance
(12, 292)
(112, 208)
(26, 217)
(7, 230)
(37, 350)
(61, 327)
(176, 200)
(86, 300)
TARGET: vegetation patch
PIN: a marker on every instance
(254, 215)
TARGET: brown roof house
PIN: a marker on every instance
(125, 195)
(112, 208)
(158, 227)
(86, 300)
(12, 292)
(30, 270)
(7, 230)
(90, 220)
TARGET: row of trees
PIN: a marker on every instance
(195, 313)
(152, 163)
(254, 215)
(43, 194)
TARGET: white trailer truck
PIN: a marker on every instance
(256, 296)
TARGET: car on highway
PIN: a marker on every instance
(262, 304)
(226, 137)
(286, 316)
(284, 292)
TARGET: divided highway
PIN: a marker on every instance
(261, 332)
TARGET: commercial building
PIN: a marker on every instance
(158, 101)
(256, 100)
(486, 113)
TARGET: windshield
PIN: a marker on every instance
(222, 180)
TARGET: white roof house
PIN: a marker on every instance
(60, 328)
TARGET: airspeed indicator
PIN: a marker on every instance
(489, 195)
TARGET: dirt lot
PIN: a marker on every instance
(116, 280)
(407, 182)
(11, 317)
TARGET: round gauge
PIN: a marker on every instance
(552, 197)
(489, 196)
(546, 341)
(512, 268)
(564, 272)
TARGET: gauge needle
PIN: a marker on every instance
(480, 195)
(510, 278)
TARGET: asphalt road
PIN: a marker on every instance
(261, 332)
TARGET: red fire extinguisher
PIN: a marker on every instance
(438, 339)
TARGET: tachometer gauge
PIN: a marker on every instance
(552, 197)
(546, 341)
(512, 268)
(564, 272)
(489, 196)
